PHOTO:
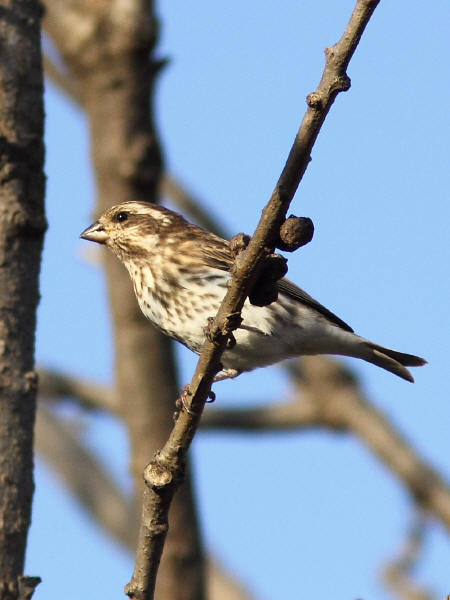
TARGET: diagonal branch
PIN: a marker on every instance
(62, 79)
(331, 398)
(164, 474)
(169, 187)
(190, 205)
(85, 477)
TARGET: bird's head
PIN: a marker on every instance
(134, 229)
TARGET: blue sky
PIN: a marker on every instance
(228, 106)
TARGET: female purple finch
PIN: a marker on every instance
(180, 274)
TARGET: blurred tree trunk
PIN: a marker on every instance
(22, 226)
(107, 49)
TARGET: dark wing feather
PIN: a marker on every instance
(294, 292)
(216, 254)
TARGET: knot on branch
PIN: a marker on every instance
(294, 233)
(215, 331)
(27, 585)
(341, 83)
(21, 588)
(157, 476)
(22, 383)
(24, 219)
(238, 243)
(330, 52)
(314, 101)
(30, 381)
(265, 289)
(159, 64)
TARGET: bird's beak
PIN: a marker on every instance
(95, 233)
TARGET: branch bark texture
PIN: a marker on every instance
(164, 474)
(22, 226)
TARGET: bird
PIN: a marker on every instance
(180, 274)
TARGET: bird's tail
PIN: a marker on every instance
(391, 360)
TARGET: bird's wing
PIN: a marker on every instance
(218, 255)
(294, 292)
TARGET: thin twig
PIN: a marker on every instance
(398, 574)
(164, 474)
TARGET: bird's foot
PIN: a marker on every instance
(181, 401)
(211, 397)
(227, 374)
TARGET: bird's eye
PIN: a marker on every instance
(121, 217)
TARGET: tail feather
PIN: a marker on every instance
(408, 360)
(393, 361)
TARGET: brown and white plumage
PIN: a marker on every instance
(180, 274)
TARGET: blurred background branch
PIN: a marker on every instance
(398, 574)
(327, 395)
(108, 49)
(59, 442)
